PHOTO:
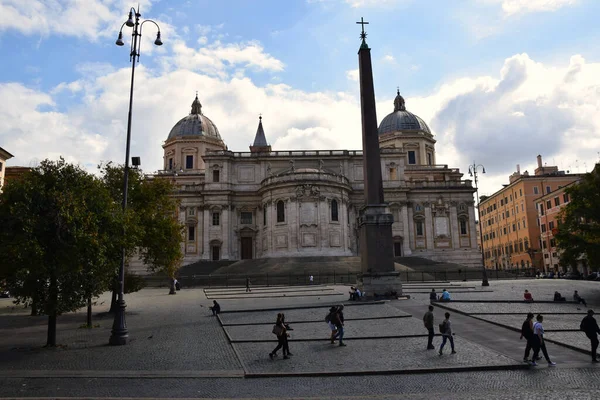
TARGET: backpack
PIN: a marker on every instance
(443, 327)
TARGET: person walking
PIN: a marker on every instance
(428, 322)
(538, 342)
(329, 319)
(338, 321)
(579, 299)
(591, 329)
(527, 333)
(281, 333)
(446, 331)
(248, 285)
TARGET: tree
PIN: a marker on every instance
(57, 233)
(153, 231)
(578, 235)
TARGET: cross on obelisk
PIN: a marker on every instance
(379, 276)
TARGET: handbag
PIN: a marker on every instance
(278, 330)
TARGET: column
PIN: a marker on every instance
(429, 227)
(473, 227)
(411, 227)
(406, 224)
(205, 240)
(225, 232)
(454, 227)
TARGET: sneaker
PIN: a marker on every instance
(342, 344)
(533, 364)
(453, 352)
(551, 364)
(271, 356)
(431, 348)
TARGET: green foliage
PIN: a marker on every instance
(57, 233)
(578, 235)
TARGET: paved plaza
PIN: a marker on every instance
(178, 349)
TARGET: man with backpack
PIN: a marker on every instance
(527, 333)
(428, 322)
(446, 331)
(591, 329)
(338, 321)
(332, 327)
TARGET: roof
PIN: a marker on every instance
(5, 154)
(195, 124)
(402, 119)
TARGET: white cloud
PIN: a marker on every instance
(388, 58)
(353, 75)
(515, 7)
(90, 18)
(373, 3)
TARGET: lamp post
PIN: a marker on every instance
(119, 333)
(473, 172)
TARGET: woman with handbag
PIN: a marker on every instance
(281, 333)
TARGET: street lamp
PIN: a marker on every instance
(119, 333)
(473, 173)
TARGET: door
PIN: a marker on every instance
(246, 248)
(397, 249)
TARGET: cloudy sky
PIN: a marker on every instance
(498, 81)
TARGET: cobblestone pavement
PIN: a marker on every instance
(166, 333)
(367, 355)
(320, 330)
(515, 308)
(552, 322)
(580, 384)
(576, 339)
(312, 314)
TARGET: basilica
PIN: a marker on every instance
(293, 203)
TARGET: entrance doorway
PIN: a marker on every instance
(216, 250)
(397, 249)
(246, 248)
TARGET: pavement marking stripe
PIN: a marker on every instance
(366, 303)
(126, 374)
(233, 297)
(320, 321)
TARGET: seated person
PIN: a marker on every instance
(445, 295)
(358, 294)
(558, 297)
(433, 295)
(578, 299)
(527, 296)
(216, 308)
(352, 293)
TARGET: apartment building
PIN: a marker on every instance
(509, 218)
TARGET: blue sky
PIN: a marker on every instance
(486, 75)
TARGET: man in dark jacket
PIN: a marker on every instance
(428, 322)
(591, 329)
(338, 321)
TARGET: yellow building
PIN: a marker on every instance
(4, 156)
(509, 218)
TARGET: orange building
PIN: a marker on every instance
(509, 218)
(548, 207)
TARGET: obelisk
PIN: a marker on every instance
(379, 277)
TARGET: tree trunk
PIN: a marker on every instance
(51, 340)
(89, 313)
(34, 307)
(113, 302)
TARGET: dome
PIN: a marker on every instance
(195, 124)
(402, 120)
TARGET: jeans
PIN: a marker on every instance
(537, 345)
(340, 333)
(281, 342)
(528, 348)
(447, 337)
(430, 335)
(594, 340)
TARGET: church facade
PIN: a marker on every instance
(269, 203)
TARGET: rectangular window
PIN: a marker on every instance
(501, 203)
(393, 174)
(429, 159)
(265, 216)
(216, 176)
(246, 217)
(494, 206)
(189, 162)
(535, 190)
(541, 207)
(504, 230)
(514, 227)
(511, 197)
(524, 224)
(216, 218)
(170, 163)
(521, 192)
(551, 225)
(548, 205)
(544, 244)
(517, 209)
(552, 242)
(522, 207)
(419, 227)
(412, 157)
(191, 233)
(556, 201)
(565, 198)
(543, 226)
(519, 225)
(191, 211)
(548, 189)
(463, 227)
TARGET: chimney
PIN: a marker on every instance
(518, 169)
(539, 160)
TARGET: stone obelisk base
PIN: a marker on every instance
(379, 278)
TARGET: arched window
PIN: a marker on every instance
(280, 211)
(334, 210)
